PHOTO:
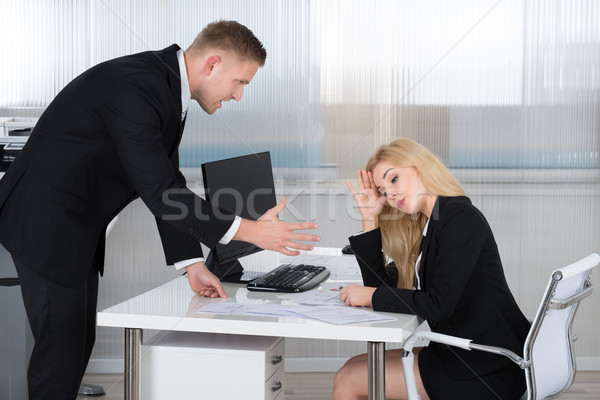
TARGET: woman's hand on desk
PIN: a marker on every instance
(203, 282)
(357, 296)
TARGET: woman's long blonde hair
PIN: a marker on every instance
(402, 233)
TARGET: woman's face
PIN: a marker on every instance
(402, 187)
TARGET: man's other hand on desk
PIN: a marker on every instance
(203, 282)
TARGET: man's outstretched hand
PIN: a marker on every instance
(269, 233)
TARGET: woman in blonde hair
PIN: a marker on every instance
(445, 269)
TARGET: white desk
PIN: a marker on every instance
(173, 306)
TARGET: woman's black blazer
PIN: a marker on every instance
(463, 292)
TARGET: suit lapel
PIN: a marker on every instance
(169, 55)
(170, 58)
(426, 242)
(181, 127)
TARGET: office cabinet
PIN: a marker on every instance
(189, 366)
(16, 340)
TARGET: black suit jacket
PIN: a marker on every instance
(109, 136)
(463, 288)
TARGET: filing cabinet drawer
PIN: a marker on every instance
(275, 358)
(274, 386)
(190, 366)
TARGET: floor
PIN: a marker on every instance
(318, 386)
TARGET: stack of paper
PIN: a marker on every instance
(325, 313)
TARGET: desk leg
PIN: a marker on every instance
(376, 366)
(133, 349)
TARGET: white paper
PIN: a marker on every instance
(342, 315)
(325, 313)
(270, 309)
(316, 297)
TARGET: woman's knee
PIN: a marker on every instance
(350, 379)
(351, 366)
(342, 377)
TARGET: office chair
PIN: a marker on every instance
(548, 356)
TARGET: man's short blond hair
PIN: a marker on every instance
(230, 36)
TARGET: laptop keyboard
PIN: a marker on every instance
(290, 278)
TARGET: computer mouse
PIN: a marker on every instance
(347, 250)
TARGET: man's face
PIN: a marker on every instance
(225, 79)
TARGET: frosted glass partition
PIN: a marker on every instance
(485, 84)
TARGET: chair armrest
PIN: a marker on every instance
(408, 356)
(503, 352)
(463, 344)
(435, 337)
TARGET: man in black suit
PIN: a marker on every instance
(109, 136)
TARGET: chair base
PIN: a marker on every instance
(87, 389)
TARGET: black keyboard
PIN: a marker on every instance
(290, 278)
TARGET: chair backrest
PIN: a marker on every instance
(549, 344)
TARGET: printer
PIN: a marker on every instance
(14, 132)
